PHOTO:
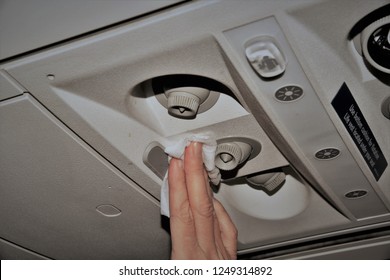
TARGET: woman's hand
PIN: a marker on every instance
(200, 226)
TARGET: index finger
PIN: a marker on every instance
(199, 196)
(182, 225)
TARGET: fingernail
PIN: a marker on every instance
(197, 148)
(175, 162)
(194, 150)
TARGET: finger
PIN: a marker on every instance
(183, 232)
(199, 197)
(227, 228)
(222, 251)
(207, 183)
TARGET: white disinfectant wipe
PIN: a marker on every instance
(176, 150)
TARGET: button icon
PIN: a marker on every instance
(327, 153)
(289, 93)
(356, 194)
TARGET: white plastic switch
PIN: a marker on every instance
(265, 57)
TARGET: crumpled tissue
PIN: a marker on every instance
(176, 150)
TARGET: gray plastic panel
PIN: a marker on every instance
(45, 22)
(253, 232)
(369, 249)
(8, 86)
(9, 251)
(95, 91)
(51, 185)
(307, 122)
(295, 210)
(156, 159)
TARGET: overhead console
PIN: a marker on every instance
(306, 123)
(301, 122)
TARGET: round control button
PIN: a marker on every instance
(375, 41)
(327, 153)
(356, 194)
(289, 93)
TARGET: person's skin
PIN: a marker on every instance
(200, 226)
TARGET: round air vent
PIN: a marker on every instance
(269, 181)
(375, 42)
(184, 102)
(230, 154)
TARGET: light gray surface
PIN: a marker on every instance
(291, 212)
(51, 185)
(30, 24)
(370, 249)
(8, 86)
(9, 251)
